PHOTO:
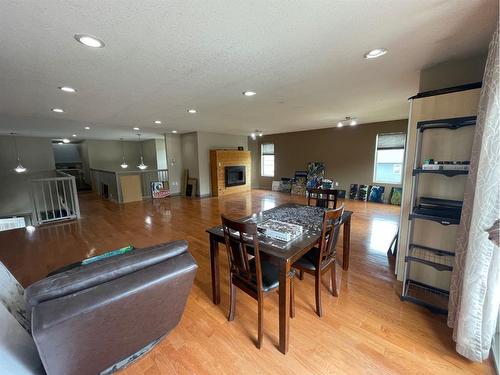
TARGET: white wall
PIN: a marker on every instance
(213, 141)
(161, 154)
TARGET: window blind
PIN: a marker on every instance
(391, 141)
(268, 149)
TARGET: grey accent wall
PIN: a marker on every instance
(452, 73)
(149, 152)
(37, 156)
(189, 146)
(67, 153)
(348, 152)
(254, 148)
(107, 155)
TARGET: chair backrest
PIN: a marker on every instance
(329, 235)
(323, 197)
(242, 242)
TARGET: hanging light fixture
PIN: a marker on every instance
(123, 164)
(347, 121)
(255, 134)
(142, 165)
(19, 168)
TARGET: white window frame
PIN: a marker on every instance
(262, 160)
(375, 162)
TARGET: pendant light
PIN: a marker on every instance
(19, 168)
(123, 164)
(142, 165)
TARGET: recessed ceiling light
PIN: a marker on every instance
(249, 93)
(89, 40)
(192, 111)
(87, 128)
(174, 131)
(57, 110)
(339, 125)
(374, 53)
(353, 122)
(67, 89)
(158, 122)
(136, 128)
(66, 140)
(74, 135)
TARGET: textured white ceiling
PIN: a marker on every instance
(303, 58)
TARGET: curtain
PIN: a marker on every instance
(475, 280)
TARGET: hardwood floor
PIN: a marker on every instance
(367, 329)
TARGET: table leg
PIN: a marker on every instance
(214, 266)
(284, 303)
(346, 244)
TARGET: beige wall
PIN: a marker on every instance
(175, 166)
(452, 73)
(196, 155)
(348, 152)
(214, 141)
(440, 145)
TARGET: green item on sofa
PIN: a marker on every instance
(84, 262)
(112, 253)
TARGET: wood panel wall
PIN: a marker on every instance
(219, 159)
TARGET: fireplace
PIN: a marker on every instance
(235, 175)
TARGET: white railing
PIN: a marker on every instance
(112, 181)
(55, 198)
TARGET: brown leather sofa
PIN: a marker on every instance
(87, 319)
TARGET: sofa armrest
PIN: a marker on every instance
(87, 276)
(90, 330)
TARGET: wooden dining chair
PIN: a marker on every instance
(322, 258)
(322, 197)
(247, 271)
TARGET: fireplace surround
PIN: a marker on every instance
(234, 175)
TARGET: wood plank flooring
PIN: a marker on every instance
(366, 330)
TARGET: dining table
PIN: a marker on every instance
(282, 254)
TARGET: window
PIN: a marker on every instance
(12, 223)
(389, 156)
(267, 160)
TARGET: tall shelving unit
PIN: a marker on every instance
(443, 211)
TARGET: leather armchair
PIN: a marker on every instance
(87, 319)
